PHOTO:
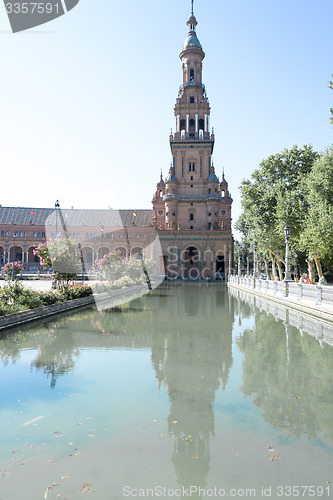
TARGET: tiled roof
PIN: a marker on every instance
(21, 216)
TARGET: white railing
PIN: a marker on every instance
(319, 294)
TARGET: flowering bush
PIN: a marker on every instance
(8, 268)
(121, 271)
(63, 256)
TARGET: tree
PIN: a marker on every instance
(317, 232)
(273, 198)
(63, 257)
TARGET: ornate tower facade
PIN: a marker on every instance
(192, 208)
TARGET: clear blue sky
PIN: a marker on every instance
(87, 100)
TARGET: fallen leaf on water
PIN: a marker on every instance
(16, 451)
(274, 457)
(194, 456)
(58, 433)
(66, 477)
(91, 435)
(4, 473)
(269, 447)
(161, 435)
(175, 422)
(172, 393)
(74, 453)
(86, 487)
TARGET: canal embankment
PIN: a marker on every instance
(316, 300)
(102, 301)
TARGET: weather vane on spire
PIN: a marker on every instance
(192, 2)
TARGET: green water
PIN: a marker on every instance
(190, 387)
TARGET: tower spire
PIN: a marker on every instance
(192, 10)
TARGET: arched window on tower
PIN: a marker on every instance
(192, 128)
(161, 193)
(191, 75)
(191, 217)
(223, 193)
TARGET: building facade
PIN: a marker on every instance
(191, 207)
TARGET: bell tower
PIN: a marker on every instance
(194, 202)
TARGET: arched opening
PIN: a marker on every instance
(191, 263)
(201, 124)
(192, 128)
(2, 257)
(220, 266)
(223, 193)
(33, 260)
(192, 75)
(122, 251)
(87, 255)
(102, 251)
(16, 255)
(137, 253)
(161, 193)
(182, 126)
(191, 217)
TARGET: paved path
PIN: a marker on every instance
(42, 285)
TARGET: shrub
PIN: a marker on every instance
(8, 268)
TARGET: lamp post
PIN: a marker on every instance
(239, 262)
(247, 265)
(229, 263)
(255, 260)
(287, 276)
(102, 231)
(13, 273)
(56, 206)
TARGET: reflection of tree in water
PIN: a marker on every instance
(192, 356)
(56, 356)
(289, 377)
(58, 343)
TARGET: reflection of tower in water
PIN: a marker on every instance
(192, 357)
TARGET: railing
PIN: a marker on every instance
(319, 294)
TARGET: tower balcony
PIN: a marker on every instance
(192, 84)
(188, 136)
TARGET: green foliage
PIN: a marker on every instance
(63, 256)
(15, 298)
(275, 197)
(8, 268)
(121, 271)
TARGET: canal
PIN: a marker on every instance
(192, 387)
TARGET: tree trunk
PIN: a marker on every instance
(319, 269)
(280, 270)
(273, 267)
(268, 276)
(311, 269)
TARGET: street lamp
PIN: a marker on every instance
(255, 260)
(247, 265)
(56, 206)
(287, 276)
(239, 262)
(13, 273)
(102, 231)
